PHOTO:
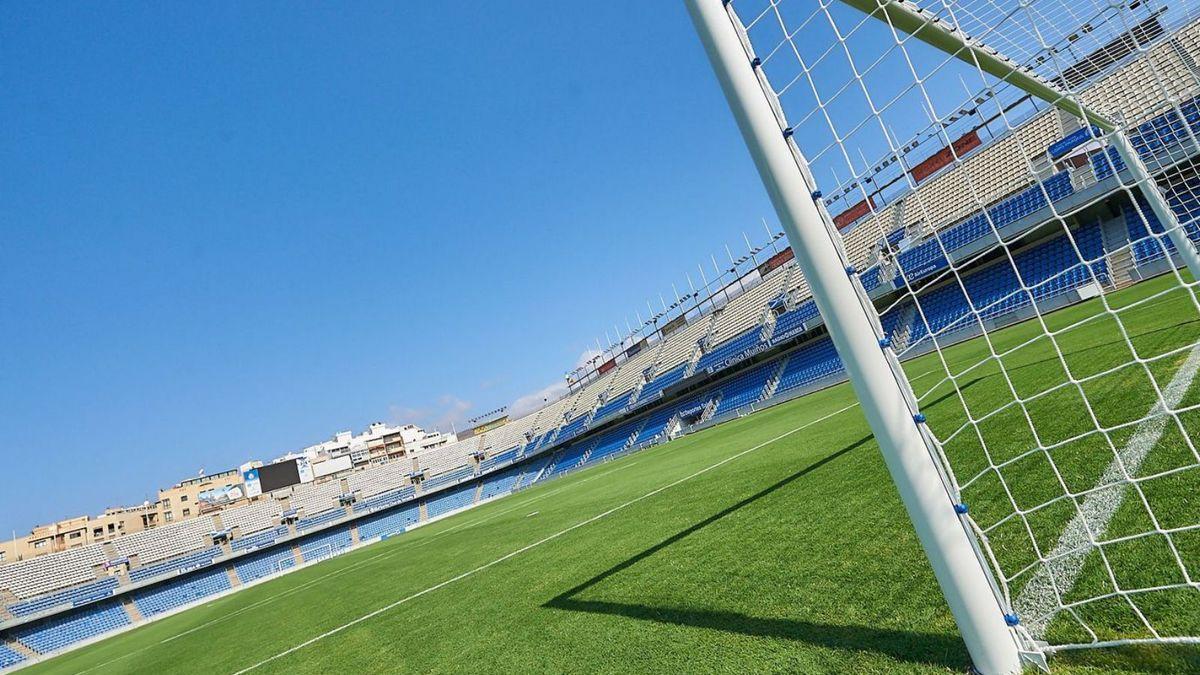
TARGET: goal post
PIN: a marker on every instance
(998, 201)
(882, 389)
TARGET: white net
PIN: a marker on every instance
(1039, 305)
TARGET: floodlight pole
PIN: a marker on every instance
(882, 389)
(924, 26)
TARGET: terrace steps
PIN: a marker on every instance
(903, 332)
(234, 580)
(698, 351)
(20, 648)
(773, 382)
(1115, 235)
(131, 608)
(658, 352)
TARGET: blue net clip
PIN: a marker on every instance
(919, 418)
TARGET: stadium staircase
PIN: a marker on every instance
(903, 332)
(652, 368)
(478, 492)
(131, 608)
(1121, 267)
(20, 648)
(773, 382)
(702, 344)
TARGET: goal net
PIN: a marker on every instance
(1014, 188)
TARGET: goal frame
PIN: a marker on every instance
(883, 390)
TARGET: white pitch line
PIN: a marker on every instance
(352, 567)
(552, 537)
(1038, 600)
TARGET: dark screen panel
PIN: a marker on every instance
(281, 475)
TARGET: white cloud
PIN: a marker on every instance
(551, 392)
(449, 412)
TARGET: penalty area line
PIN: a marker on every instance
(604, 514)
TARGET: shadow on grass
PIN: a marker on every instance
(926, 648)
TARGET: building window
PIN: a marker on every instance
(187, 512)
(183, 498)
(169, 516)
(2, 556)
(74, 535)
(166, 503)
(97, 532)
(40, 544)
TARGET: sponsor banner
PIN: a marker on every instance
(220, 496)
(252, 483)
(332, 466)
(1075, 139)
(964, 144)
(91, 597)
(924, 270)
(674, 325)
(776, 261)
(788, 334)
(304, 469)
(488, 426)
(635, 348)
(739, 357)
(607, 366)
(852, 214)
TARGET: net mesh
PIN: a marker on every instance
(1043, 315)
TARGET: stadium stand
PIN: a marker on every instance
(251, 518)
(450, 500)
(450, 478)
(262, 564)
(73, 596)
(325, 544)
(744, 388)
(166, 541)
(63, 630)
(379, 478)
(392, 522)
(314, 498)
(190, 561)
(500, 483)
(259, 540)
(37, 576)
(8, 657)
(166, 597)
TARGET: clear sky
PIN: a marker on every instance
(228, 230)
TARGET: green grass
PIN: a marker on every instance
(794, 555)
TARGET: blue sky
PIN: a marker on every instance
(230, 230)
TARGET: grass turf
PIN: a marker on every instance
(771, 543)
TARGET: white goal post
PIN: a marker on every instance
(882, 390)
(1087, 184)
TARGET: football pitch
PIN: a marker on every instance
(772, 543)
